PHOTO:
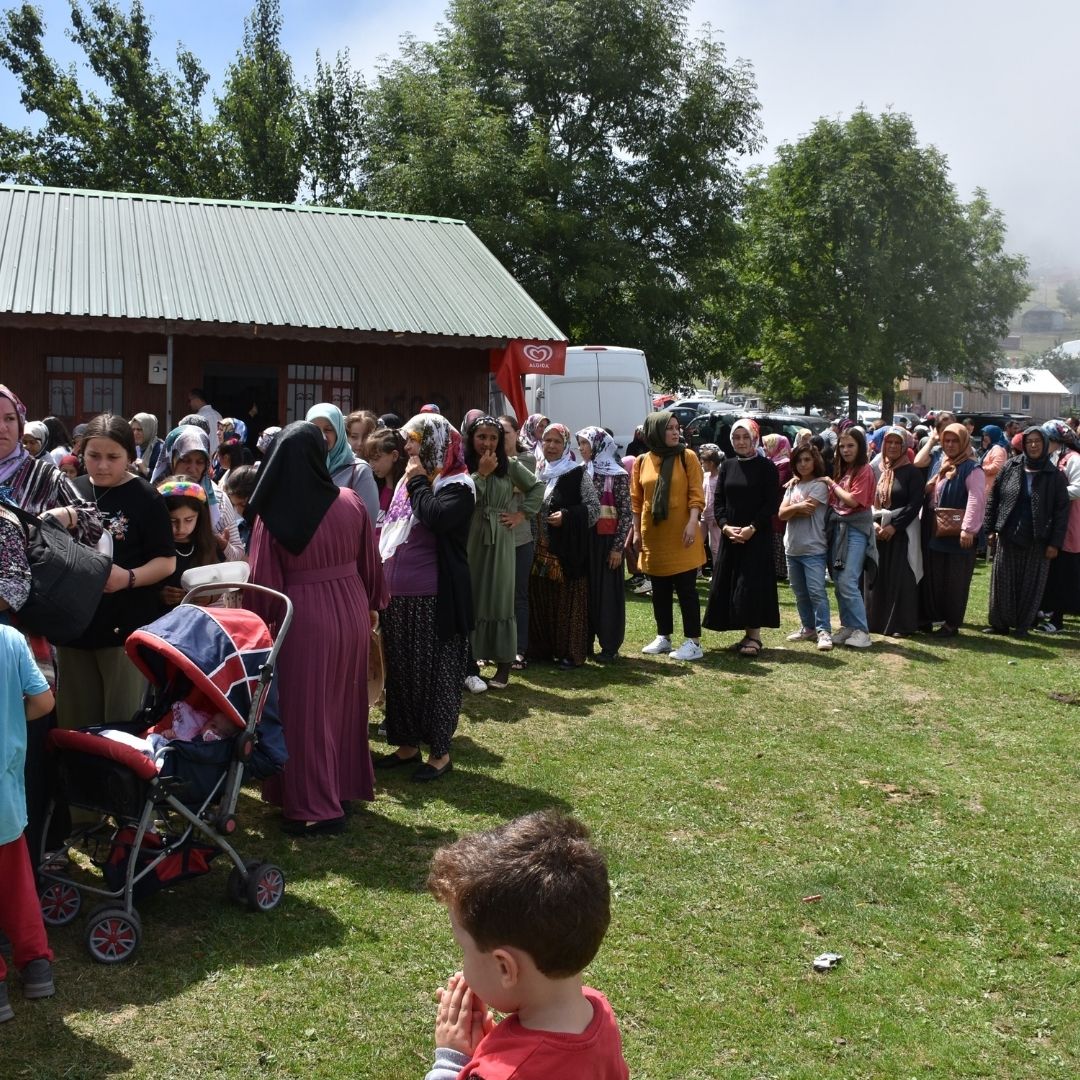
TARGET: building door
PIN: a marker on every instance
(247, 391)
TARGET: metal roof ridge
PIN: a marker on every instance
(251, 204)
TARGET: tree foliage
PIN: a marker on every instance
(260, 112)
(146, 133)
(1068, 296)
(869, 268)
(591, 145)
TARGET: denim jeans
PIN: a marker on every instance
(849, 597)
(806, 574)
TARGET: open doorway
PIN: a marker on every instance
(247, 391)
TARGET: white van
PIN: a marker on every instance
(605, 385)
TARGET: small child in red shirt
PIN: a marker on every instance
(529, 904)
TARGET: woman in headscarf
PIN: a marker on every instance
(778, 451)
(1027, 513)
(607, 596)
(524, 542)
(950, 560)
(558, 586)
(667, 495)
(188, 448)
(743, 591)
(37, 486)
(59, 445)
(892, 600)
(148, 447)
(1061, 596)
(532, 431)
(994, 453)
(36, 439)
(346, 469)
(424, 546)
(314, 542)
(491, 540)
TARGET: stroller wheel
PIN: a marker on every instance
(112, 935)
(60, 903)
(236, 888)
(265, 887)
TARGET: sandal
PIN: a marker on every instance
(749, 647)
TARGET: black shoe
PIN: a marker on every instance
(313, 828)
(946, 631)
(994, 630)
(392, 761)
(426, 773)
(606, 657)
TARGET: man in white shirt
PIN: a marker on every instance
(197, 403)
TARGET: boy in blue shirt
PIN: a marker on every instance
(24, 695)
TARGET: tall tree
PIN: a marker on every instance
(870, 267)
(260, 112)
(333, 132)
(1068, 296)
(145, 133)
(590, 143)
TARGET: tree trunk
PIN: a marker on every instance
(853, 398)
(888, 403)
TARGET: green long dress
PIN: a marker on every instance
(491, 559)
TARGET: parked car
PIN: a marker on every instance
(688, 408)
(715, 427)
(1001, 419)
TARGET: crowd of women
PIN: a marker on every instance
(493, 546)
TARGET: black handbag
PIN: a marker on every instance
(67, 579)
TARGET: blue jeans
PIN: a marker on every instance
(849, 597)
(806, 575)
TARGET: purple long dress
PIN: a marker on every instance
(322, 671)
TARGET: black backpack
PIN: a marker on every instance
(67, 579)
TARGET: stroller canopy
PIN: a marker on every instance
(220, 650)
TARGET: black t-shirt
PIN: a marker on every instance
(135, 514)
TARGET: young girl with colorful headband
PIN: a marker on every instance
(192, 532)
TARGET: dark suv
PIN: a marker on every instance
(715, 427)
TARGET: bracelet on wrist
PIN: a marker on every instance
(131, 579)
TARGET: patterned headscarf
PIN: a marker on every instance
(442, 458)
(1060, 432)
(341, 453)
(752, 429)
(777, 449)
(441, 452)
(605, 460)
(239, 428)
(10, 465)
(192, 440)
(266, 439)
(550, 471)
(37, 430)
(530, 436)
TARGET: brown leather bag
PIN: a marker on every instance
(948, 521)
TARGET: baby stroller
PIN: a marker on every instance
(159, 822)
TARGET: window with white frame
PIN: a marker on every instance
(957, 400)
(1006, 401)
(1025, 402)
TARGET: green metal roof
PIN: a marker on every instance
(150, 257)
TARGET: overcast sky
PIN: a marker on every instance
(991, 84)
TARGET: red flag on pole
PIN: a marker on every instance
(525, 358)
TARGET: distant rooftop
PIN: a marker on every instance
(1028, 381)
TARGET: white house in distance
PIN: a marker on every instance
(1034, 392)
(1072, 348)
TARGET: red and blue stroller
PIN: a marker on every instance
(159, 822)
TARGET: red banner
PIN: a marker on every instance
(525, 358)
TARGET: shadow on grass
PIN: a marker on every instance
(77, 1057)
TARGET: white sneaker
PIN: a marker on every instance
(644, 589)
(660, 645)
(475, 685)
(824, 641)
(688, 650)
(804, 633)
(842, 635)
(859, 639)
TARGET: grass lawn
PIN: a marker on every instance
(926, 792)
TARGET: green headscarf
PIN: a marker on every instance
(655, 425)
(342, 453)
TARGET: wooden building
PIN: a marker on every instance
(1033, 392)
(123, 303)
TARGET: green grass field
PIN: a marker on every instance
(926, 792)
